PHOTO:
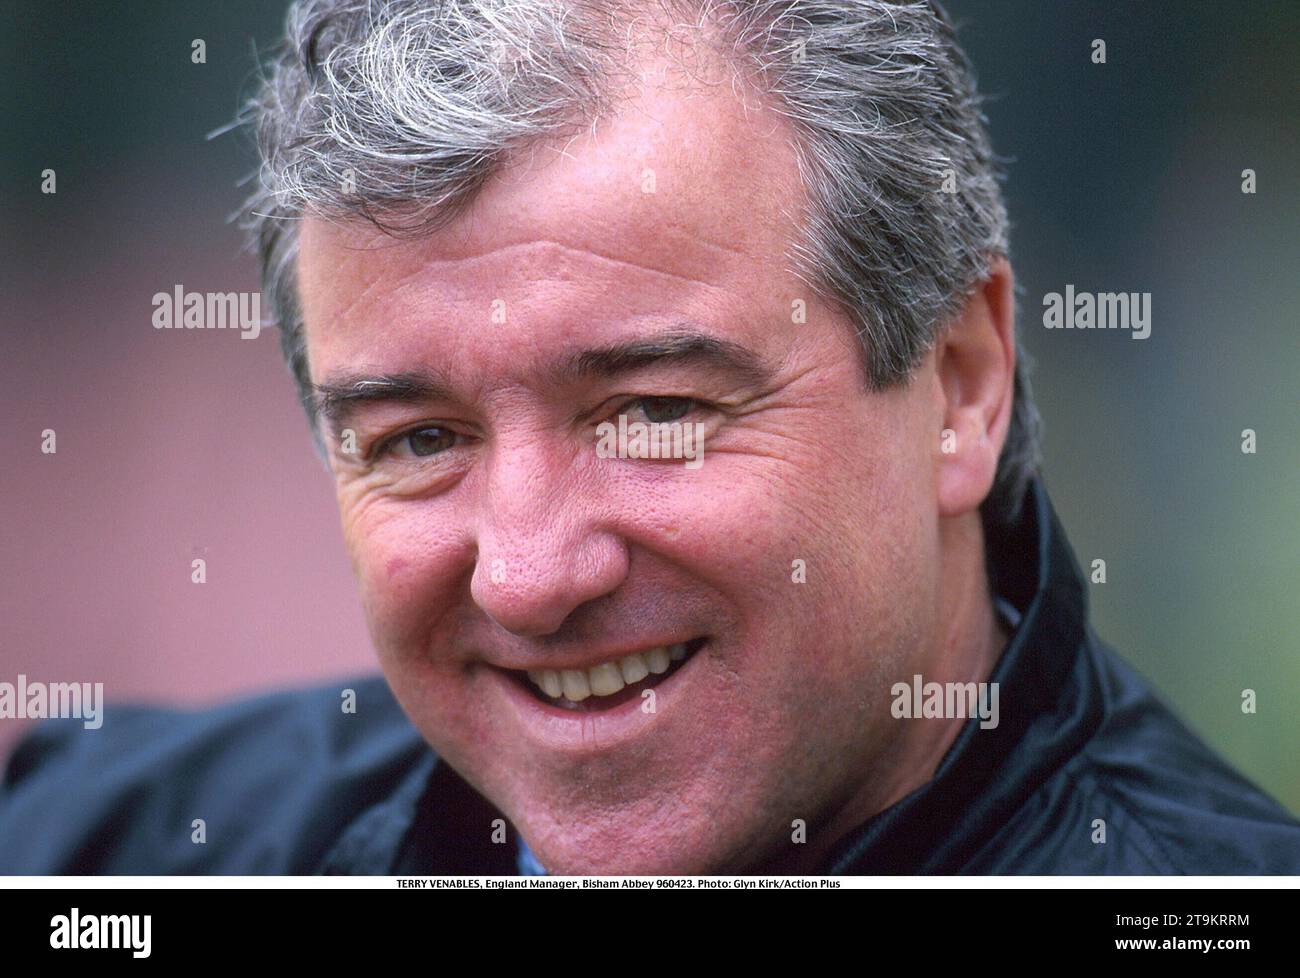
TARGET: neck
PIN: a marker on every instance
(966, 649)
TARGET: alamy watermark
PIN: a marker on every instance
(179, 309)
(922, 700)
(40, 701)
(1098, 310)
(655, 439)
(77, 931)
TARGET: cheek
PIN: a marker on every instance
(404, 568)
(867, 525)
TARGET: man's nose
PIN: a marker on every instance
(542, 551)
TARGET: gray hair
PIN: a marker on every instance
(397, 112)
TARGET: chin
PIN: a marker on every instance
(632, 844)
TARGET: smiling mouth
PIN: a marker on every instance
(609, 684)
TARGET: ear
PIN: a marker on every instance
(975, 369)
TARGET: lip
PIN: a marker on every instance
(556, 729)
(591, 663)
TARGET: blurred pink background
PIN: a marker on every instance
(171, 445)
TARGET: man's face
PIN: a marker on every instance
(638, 270)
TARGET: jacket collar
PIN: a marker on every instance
(1047, 709)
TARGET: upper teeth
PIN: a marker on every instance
(607, 678)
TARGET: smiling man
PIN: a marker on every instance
(490, 231)
(524, 593)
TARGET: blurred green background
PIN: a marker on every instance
(1122, 177)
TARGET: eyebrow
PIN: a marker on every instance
(337, 399)
(675, 346)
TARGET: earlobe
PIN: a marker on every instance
(975, 368)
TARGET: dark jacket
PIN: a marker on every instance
(290, 784)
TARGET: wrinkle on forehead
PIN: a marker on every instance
(723, 162)
(548, 246)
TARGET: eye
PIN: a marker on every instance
(661, 410)
(422, 442)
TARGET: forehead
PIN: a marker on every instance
(681, 200)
